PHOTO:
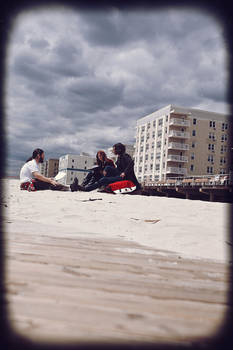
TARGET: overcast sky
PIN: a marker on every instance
(78, 80)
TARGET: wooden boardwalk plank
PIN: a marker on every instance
(93, 289)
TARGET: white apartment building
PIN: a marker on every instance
(71, 166)
(177, 142)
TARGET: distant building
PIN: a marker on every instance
(50, 167)
(177, 142)
(42, 168)
(71, 166)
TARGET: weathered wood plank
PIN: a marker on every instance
(97, 289)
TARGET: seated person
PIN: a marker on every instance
(123, 171)
(31, 179)
(97, 172)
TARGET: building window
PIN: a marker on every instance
(158, 155)
(72, 167)
(153, 134)
(151, 167)
(222, 160)
(140, 159)
(209, 170)
(142, 138)
(166, 118)
(146, 157)
(212, 136)
(224, 126)
(191, 167)
(140, 169)
(193, 144)
(158, 144)
(141, 149)
(145, 167)
(194, 133)
(153, 145)
(154, 123)
(194, 121)
(148, 126)
(211, 147)
(159, 133)
(161, 122)
(212, 124)
(152, 156)
(157, 166)
(210, 158)
(224, 138)
(143, 128)
(192, 156)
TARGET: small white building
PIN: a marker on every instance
(72, 165)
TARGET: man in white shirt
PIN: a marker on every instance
(31, 179)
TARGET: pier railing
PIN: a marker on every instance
(210, 187)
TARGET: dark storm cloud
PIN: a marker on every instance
(38, 43)
(79, 81)
(95, 94)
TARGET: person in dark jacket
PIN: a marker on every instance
(125, 164)
(123, 171)
(97, 171)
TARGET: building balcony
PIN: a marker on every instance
(175, 170)
(179, 122)
(179, 146)
(176, 158)
(180, 134)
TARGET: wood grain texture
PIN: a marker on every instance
(110, 290)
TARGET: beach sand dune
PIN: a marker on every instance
(102, 267)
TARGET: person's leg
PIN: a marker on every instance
(106, 180)
(88, 178)
(41, 185)
(111, 171)
(59, 187)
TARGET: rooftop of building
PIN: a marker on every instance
(193, 112)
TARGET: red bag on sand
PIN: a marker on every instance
(124, 186)
(28, 186)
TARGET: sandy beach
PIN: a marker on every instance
(111, 235)
(194, 229)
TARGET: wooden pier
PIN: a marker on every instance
(201, 188)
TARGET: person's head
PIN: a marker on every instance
(38, 155)
(101, 156)
(118, 148)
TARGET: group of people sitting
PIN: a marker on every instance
(104, 173)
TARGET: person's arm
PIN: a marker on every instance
(129, 165)
(44, 179)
